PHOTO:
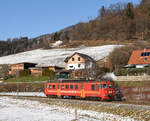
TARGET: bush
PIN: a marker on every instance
(132, 71)
(49, 73)
(26, 72)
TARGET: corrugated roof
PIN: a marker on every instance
(140, 57)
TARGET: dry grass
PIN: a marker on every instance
(123, 112)
(89, 43)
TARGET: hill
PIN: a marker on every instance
(119, 23)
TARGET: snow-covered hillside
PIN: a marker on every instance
(55, 57)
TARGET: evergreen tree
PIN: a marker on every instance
(129, 11)
(102, 12)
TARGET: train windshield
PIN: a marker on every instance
(104, 86)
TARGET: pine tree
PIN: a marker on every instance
(102, 12)
(129, 11)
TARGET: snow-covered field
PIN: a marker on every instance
(36, 94)
(56, 57)
(12, 109)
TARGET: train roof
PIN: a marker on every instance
(78, 80)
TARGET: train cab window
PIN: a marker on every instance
(76, 86)
(71, 86)
(110, 86)
(62, 86)
(92, 87)
(67, 86)
(104, 86)
(53, 86)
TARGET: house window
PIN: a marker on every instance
(78, 58)
(79, 65)
(146, 58)
(145, 54)
(72, 59)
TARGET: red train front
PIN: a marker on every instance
(103, 90)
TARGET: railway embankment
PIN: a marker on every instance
(133, 91)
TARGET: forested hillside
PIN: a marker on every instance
(119, 22)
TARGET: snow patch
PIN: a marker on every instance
(110, 75)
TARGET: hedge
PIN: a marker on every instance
(132, 71)
(49, 73)
(26, 72)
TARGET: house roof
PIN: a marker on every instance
(50, 66)
(86, 57)
(24, 63)
(140, 57)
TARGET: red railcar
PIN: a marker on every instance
(103, 90)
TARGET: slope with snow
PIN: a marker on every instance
(26, 110)
(56, 57)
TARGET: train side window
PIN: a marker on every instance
(92, 87)
(53, 86)
(71, 86)
(67, 86)
(110, 86)
(76, 86)
(50, 86)
(62, 86)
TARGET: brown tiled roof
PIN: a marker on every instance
(140, 57)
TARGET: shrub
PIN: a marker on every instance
(25, 72)
(132, 71)
(49, 73)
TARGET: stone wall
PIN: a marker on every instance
(136, 94)
(133, 78)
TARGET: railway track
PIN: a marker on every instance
(113, 104)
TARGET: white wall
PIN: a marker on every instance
(75, 66)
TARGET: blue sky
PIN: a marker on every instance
(32, 18)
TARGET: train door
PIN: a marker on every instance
(97, 90)
(58, 90)
(82, 90)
